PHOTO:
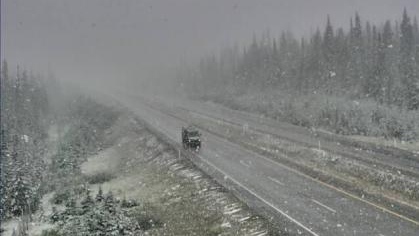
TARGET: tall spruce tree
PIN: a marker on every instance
(329, 56)
(407, 66)
(390, 65)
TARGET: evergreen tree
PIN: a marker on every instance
(408, 70)
(357, 30)
(22, 193)
(390, 65)
(301, 79)
(87, 203)
(329, 55)
(314, 58)
(109, 202)
(376, 82)
(357, 67)
(342, 59)
(99, 195)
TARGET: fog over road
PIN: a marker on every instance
(309, 206)
(348, 67)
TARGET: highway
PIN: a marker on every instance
(304, 205)
(395, 160)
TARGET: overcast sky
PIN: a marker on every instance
(126, 39)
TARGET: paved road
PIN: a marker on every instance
(313, 207)
(391, 159)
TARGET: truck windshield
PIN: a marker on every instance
(193, 134)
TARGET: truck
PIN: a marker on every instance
(191, 138)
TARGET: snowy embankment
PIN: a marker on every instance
(180, 197)
(339, 115)
(116, 177)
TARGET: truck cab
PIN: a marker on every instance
(191, 138)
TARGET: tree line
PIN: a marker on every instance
(367, 61)
(24, 122)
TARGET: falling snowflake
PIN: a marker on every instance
(25, 138)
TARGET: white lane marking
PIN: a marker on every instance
(301, 174)
(245, 164)
(309, 177)
(276, 181)
(322, 183)
(321, 204)
(226, 176)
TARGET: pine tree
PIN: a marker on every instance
(124, 202)
(416, 41)
(87, 203)
(4, 151)
(379, 72)
(342, 59)
(109, 202)
(99, 195)
(407, 37)
(416, 31)
(314, 61)
(301, 79)
(408, 70)
(329, 55)
(21, 193)
(357, 67)
(390, 65)
(357, 31)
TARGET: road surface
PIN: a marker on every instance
(391, 159)
(311, 207)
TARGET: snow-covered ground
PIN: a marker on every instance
(184, 198)
(168, 186)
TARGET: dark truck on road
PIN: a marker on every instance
(191, 138)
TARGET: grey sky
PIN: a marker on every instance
(125, 39)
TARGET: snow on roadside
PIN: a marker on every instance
(150, 171)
